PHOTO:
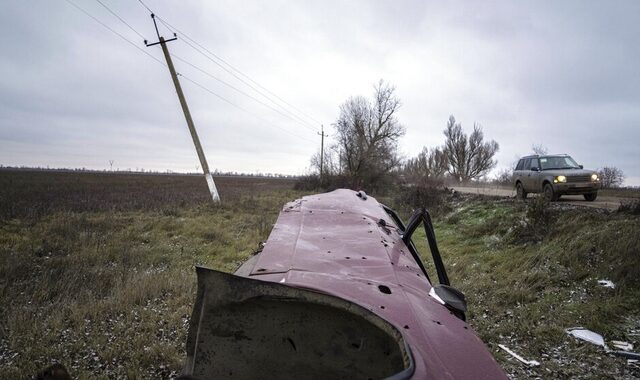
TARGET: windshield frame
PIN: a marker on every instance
(568, 161)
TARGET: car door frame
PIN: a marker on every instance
(535, 176)
(526, 175)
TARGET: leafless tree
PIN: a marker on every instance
(469, 157)
(367, 136)
(504, 177)
(330, 163)
(111, 165)
(539, 149)
(430, 164)
(611, 176)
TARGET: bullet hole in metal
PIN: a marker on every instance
(384, 289)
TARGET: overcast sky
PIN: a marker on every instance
(564, 74)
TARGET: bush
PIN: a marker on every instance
(537, 222)
(329, 183)
(307, 182)
(630, 207)
(428, 194)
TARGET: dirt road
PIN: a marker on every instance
(608, 203)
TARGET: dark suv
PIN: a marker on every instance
(554, 175)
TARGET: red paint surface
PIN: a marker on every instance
(332, 243)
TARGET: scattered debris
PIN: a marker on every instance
(597, 339)
(531, 363)
(625, 346)
(607, 284)
(587, 335)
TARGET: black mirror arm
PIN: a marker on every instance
(422, 215)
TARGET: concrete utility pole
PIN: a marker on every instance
(322, 136)
(187, 115)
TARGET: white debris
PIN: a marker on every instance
(624, 346)
(531, 363)
(587, 335)
(607, 284)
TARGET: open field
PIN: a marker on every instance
(96, 271)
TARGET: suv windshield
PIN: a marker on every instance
(558, 162)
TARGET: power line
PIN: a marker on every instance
(145, 5)
(187, 78)
(210, 75)
(243, 109)
(297, 118)
(120, 18)
(187, 37)
(116, 33)
(236, 89)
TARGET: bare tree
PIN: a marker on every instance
(367, 137)
(504, 177)
(330, 164)
(539, 149)
(430, 164)
(610, 176)
(469, 157)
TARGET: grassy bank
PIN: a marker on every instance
(101, 279)
(530, 272)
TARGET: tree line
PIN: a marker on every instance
(365, 153)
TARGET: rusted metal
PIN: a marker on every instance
(333, 262)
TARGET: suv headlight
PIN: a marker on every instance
(594, 177)
(560, 179)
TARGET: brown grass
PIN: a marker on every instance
(96, 271)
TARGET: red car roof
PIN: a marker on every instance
(333, 243)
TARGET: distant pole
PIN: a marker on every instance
(322, 136)
(187, 115)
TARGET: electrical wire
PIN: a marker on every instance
(235, 88)
(116, 33)
(183, 76)
(293, 116)
(120, 18)
(187, 37)
(245, 110)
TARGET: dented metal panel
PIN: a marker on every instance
(346, 246)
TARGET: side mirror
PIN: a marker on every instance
(452, 298)
(581, 167)
(535, 169)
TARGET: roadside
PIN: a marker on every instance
(603, 202)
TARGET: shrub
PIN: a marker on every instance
(537, 222)
(429, 194)
(630, 207)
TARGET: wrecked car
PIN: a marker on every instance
(338, 292)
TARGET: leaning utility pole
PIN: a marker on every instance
(185, 109)
(322, 136)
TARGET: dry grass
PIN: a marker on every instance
(106, 286)
(96, 271)
(525, 289)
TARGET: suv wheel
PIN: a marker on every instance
(549, 194)
(591, 197)
(520, 193)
